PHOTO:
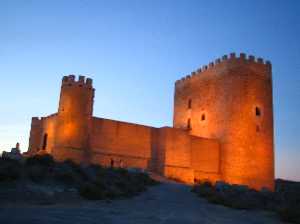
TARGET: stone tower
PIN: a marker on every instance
(231, 100)
(74, 117)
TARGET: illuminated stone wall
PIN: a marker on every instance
(42, 135)
(35, 135)
(205, 159)
(75, 110)
(176, 162)
(223, 128)
(231, 100)
(184, 156)
(48, 133)
(121, 141)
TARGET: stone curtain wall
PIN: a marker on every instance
(206, 159)
(117, 140)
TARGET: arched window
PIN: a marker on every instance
(45, 141)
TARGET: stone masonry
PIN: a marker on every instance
(223, 128)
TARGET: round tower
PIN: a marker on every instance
(74, 118)
(231, 100)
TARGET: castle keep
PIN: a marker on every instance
(222, 130)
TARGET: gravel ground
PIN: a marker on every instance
(165, 203)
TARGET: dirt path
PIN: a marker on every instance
(166, 203)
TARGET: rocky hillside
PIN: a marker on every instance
(285, 200)
(40, 178)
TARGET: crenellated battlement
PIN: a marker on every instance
(81, 82)
(228, 60)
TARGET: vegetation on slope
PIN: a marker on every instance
(285, 200)
(92, 182)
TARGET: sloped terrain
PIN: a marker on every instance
(164, 203)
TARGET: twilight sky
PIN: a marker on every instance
(135, 51)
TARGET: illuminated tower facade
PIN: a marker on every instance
(73, 122)
(231, 100)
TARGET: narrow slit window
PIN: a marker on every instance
(257, 111)
(203, 117)
(45, 141)
(190, 104)
(189, 124)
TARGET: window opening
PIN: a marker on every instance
(257, 111)
(189, 124)
(45, 141)
(190, 104)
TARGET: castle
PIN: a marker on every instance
(223, 128)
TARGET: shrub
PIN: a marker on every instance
(10, 170)
(36, 173)
(113, 192)
(42, 160)
(146, 179)
(125, 187)
(290, 213)
(122, 172)
(215, 199)
(288, 200)
(285, 201)
(85, 173)
(88, 173)
(71, 164)
(97, 170)
(91, 192)
(93, 182)
(65, 174)
(100, 182)
(234, 196)
(204, 190)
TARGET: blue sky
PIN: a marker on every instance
(134, 51)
